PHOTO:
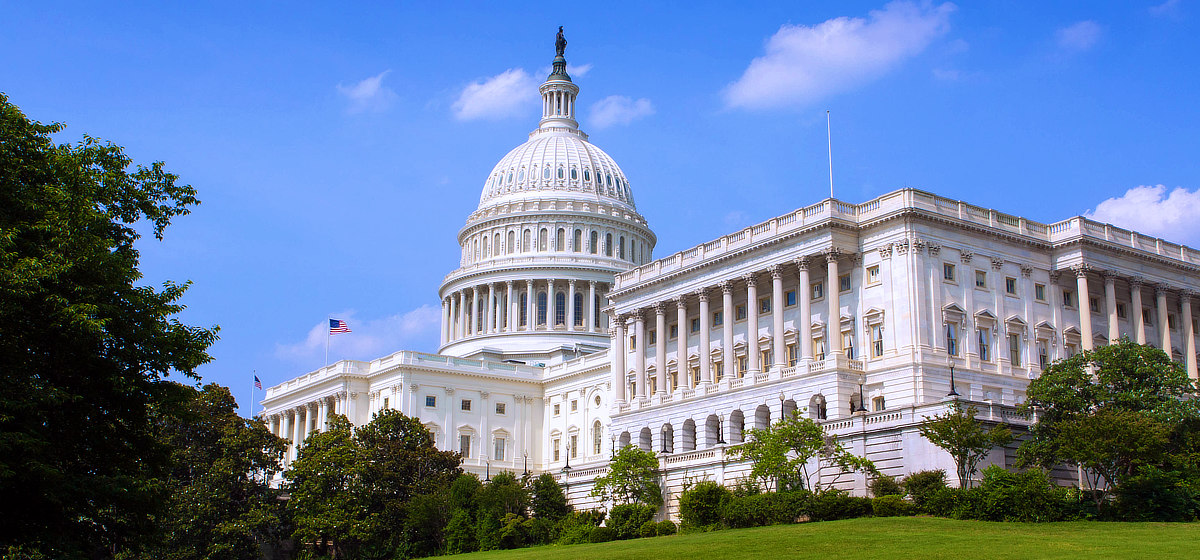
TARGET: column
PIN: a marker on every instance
(296, 439)
(551, 308)
(489, 315)
(323, 414)
(639, 352)
(753, 353)
(681, 357)
(453, 322)
(802, 296)
(1110, 300)
(571, 304)
(1189, 337)
(660, 347)
(308, 421)
(443, 335)
(461, 329)
(530, 318)
(472, 309)
(704, 352)
(727, 355)
(276, 424)
(1081, 300)
(777, 305)
(590, 306)
(618, 360)
(1164, 328)
(1135, 299)
(510, 309)
(833, 327)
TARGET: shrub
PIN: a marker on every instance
(575, 527)
(922, 485)
(945, 502)
(703, 504)
(666, 527)
(577, 534)
(460, 533)
(1027, 496)
(746, 486)
(1156, 495)
(884, 485)
(830, 505)
(602, 534)
(761, 509)
(648, 529)
(891, 506)
(627, 519)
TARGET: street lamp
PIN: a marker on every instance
(568, 467)
(952, 393)
(488, 462)
(862, 403)
(781, 413)
(526, 453)
(614, 445)
(664, 439)
(720, 431)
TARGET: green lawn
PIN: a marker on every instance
(894, 537)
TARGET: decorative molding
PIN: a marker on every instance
(751, 280)
(776, 271)
(934, 249)
(997, 264)
(965, 256)
(885, 251)
(1055, 275)
(902, 247)
(802, 263)
(681, 303)
(833, 255)
(727, 286)
(1026, 270)
(1082, 270)
(702, 294)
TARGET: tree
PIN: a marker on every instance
(547, 499)
(632, 478)
(324, 504)
(83, 348)
(1115, 412)
(784, 450)
(960, 434)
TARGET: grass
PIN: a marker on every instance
(893, 537)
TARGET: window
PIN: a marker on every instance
(465, 405)
(597, 437)
(674, 331)
(952, 339)
(430, 401)
(555, 446)
(578, 304)
(764, 305)
(696, 375)
(878, 404)
(542, 237)
(985, 349)
(789, 298)
(1121, 311)
(560, 308)
(793, 355)
(608, 243)
(464, 445)
(621, 247)
(718, 318)
(819, 348)
(498, 452)
(594, 242)
(524, 313)
(574, 406)
(818, 290)
(877, 341)
(541, 308)
(848, 344)
(718, 370)
(766, 360)
(574, 446)
(844, 283)
(1171, 324)
(1010, 286)
(980, 279)
(633, 342)
(742, 365)
(501, 408)
(1068, 298)
(1147, 318)
(1094, 304)
(560, 240)
(1039, 292)
(1014, 349)
(873, 274)
(948, 272)
(385, 403)
(651, 337)
(1069, 348)
(1043, 354)
(695, 325)
(578, 244)
(557, 409)
(740, 313)
(512, 242)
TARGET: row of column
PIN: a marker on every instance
(1136, 286)
(498, 304)
(297, 423)
(638, 317)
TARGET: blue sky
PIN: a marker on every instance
(338, 149)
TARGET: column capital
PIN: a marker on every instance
(509, 283)
(885, 251)
(1185, 296)
(1081, 270)
(1136, 282)
(727, 286)
(702, 294)
(592, 283)
(776, 271)
(1026, 270)
(751, 279)
(833, 255)
(1055, 275)
(934, 249)
(1109, 275)
(660, 308)
(681, 301)
(997, 264)
(965, 256)
(802, 263)
(637, 315)
(1161, 290)
(612, 332)
(571, 282)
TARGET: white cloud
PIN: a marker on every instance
(1150, 210)
(579, 71)
(804, 64)
(369, 339)
(506, 94)
(1079, 36)
(369, 94)
(1168, 8)
(618, 109)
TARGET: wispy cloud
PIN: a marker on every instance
(1151, 210)
(368, 95)
(803, 64)
(575, 71)
(618, 109)
(371, 338)
(1079, 36)
(1168, 8)
(506, 94)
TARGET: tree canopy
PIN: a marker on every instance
(83, 347)
(632, 478)
(963, 436)
(784, 450)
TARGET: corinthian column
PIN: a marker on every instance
(681, 357)
(833, 329)
(510, 309)
(619, 351)
(727, 355)
(639, 351)
(1085, 312)
(753, 354)
(489, 316)
(802, 296)
(1164, 327)
(660, 347)
(1110, 300)
(571, 304)
(1189, 338)
(705, 350)
(777, 305)
(1135, 300)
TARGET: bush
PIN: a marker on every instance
(884, 485)
(922, 485)
(761, 509)
(577, 534)
(648, 529)
(602, 534)
(831, 505)
(627, 519)
(460, 533)
(576, 527)
(945, 502)
(703, 504)
(666, 527)
(891, 506)
(1025, 497)
(1156, 495)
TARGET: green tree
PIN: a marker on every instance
(83, 347)
(964, 437)
(632, 478)
(547, 499)
(784, 450)
(325, 504)
(1115, 412)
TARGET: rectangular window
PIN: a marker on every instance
(500, 448)
(695, 325)
(952, 339)
(1010, 285)
(764, 305)
(1121, 311)
(948, 272)
(985, 348)
(557, 409)
(766, 360)
(1094, 304)
(819, 349)
(464, 445)
(848, 344)
(651, 337)
(500, 408)
(633, 342)
(1039, 292)
(739, 312)
(674, 332)
(574, 445)
(1014, 349)
(718, 318)
(430, 401)
(385, 403)
(878, 404)
(1043, 354)
(877, 341)
(1147, 318)
(789, 298)
(718, 370)
(1070, 349)
(980, 279)
(574, 406)
(466, 405)
(818, 291)
(741, 363)
(555, 445)
(696, 375)
(873, 276)
(844, 283)
(1171, 324)
(793, 355)
(1068, 298)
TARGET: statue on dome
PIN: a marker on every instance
(560, 42)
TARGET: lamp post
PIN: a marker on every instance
(862, 403)
(781, 413)
(614, 445)
(526, 453)
(488, 462)
(953, 392)
(664, 439)
(720, 431)
(568, 467)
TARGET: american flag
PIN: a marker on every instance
(257, 383)
(338, 326)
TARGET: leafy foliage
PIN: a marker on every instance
(703, 503)
(83, 348)
(784, 450)
(960, 434)
(627, 519)
(922, 485)
(884, 485)
(632, 478)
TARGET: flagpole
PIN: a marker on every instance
(253, 376)
(829, 139)
(328, 335)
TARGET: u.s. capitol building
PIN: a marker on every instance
(563, 338)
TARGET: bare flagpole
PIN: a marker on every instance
(829, 138)
(328, 335)
(253, 376)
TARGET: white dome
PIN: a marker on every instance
(561, 164)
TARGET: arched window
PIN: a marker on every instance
(546, 173)
(632, 245)
(578, 303)
(560, 241)
(560, 308)
(541, 308)
(578, 246)
(512, 241)
(587, 175)
(542, 235)
(595, 315)
(524, 313)
(621, 247)
(496, 245)
(594, 242)
(597, 438)
(608, 244)
(560, 173)
(574, 174)
(525, 246)
(487, 247)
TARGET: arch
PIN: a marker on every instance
(560, 308)
(762, 417)
(644, 440)
(525, 241)
(578, 304)
(688, 440)
(817, 407)
(487, 246)
(595, 240)
(623, 440)
(543, 237)
(737, 427)
(512, 242)
(667, 433)
(560, 240)
(597, 438)
(524, 312)
(621, 247)
(712, 431)
(789, 407)
(496, 252)
(541, 308)
(577, 246)
(608, 248)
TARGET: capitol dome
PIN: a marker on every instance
(562, 164)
